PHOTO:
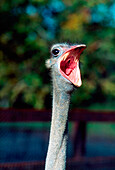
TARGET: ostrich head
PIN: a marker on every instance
(64, 63)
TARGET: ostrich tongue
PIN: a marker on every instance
(69, 64)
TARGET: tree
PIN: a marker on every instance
(29, 27)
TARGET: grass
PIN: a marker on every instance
(29, 125)
(101, 129)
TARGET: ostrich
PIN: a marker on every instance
(64, 64)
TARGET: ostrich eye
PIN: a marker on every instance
(55, 52)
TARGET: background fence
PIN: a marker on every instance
(24, 141)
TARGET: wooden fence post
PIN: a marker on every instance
(79, 139)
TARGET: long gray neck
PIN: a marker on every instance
(56, 155)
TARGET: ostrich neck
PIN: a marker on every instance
(56, 156)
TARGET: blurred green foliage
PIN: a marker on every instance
(29, 27)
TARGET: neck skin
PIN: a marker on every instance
(56, 155)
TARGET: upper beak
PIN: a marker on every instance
(81, 47)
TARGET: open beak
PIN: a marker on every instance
(69, 64)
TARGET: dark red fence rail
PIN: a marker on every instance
(25, 115)
(98, 163)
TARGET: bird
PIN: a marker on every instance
(65, 73)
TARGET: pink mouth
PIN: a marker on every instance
(69, 64)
